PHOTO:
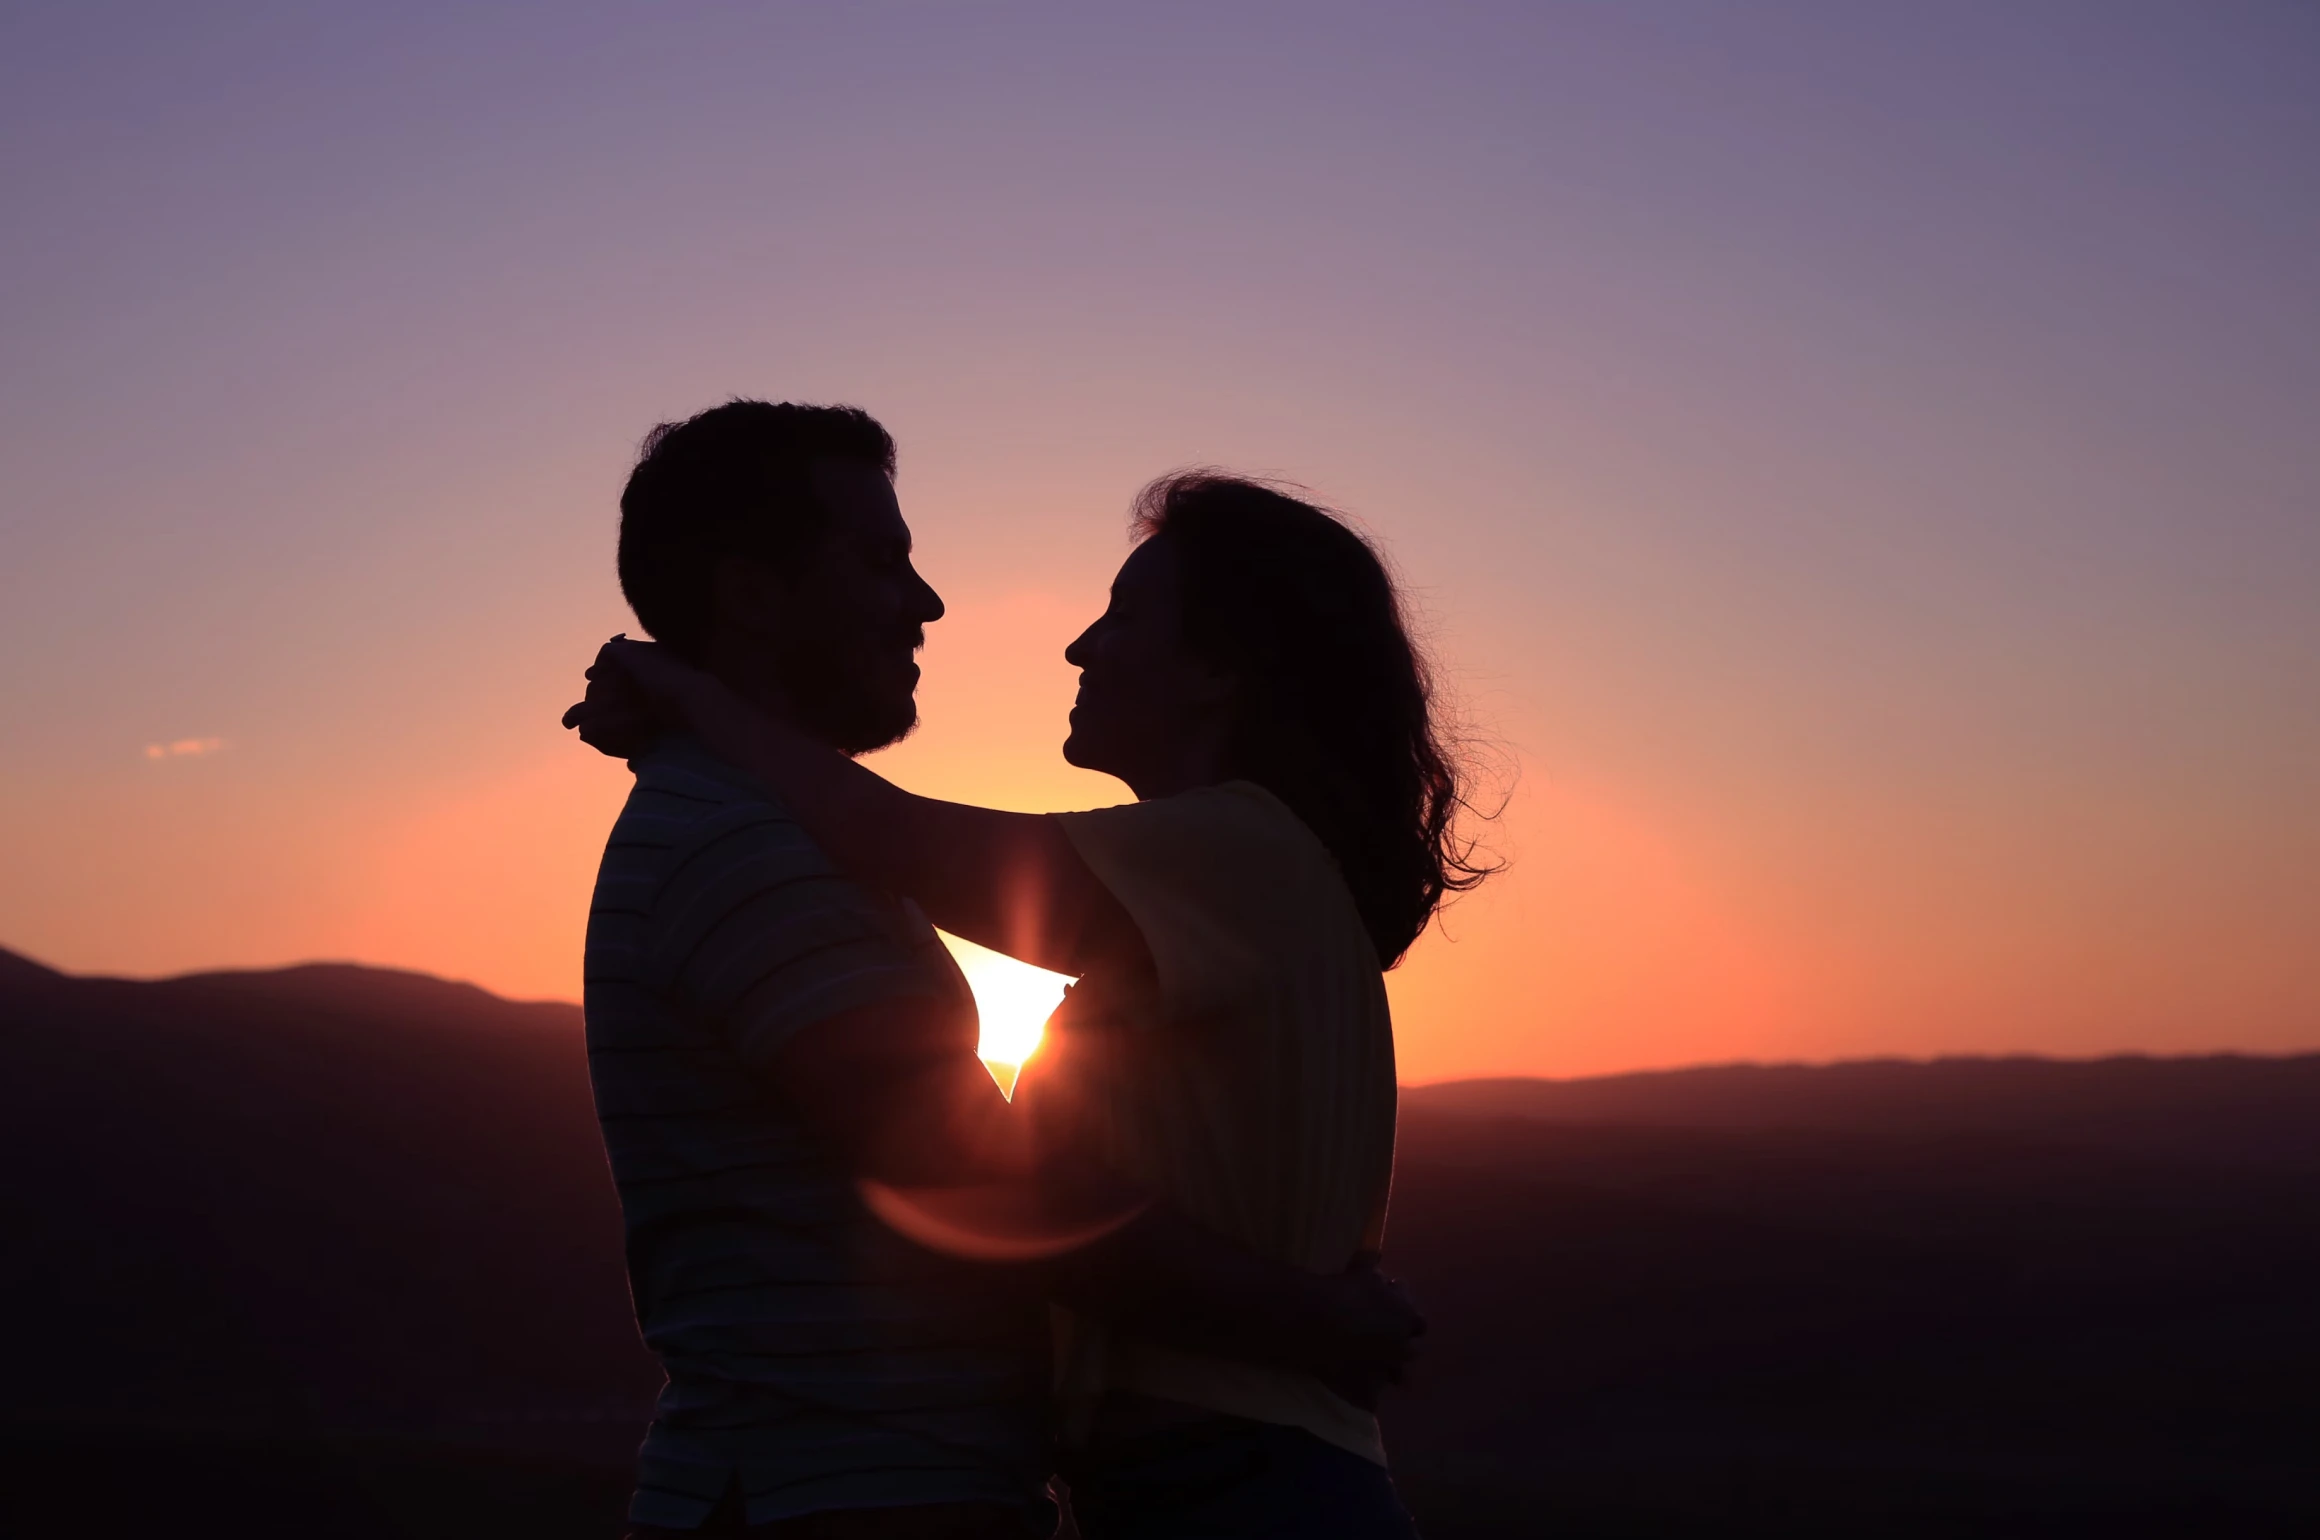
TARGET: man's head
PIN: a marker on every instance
(762, 542)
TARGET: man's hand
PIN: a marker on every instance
(1370, 1333)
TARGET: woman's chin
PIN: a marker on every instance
(1088, 750)
(1079, 753)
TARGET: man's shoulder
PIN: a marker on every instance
(679, 768)
(685, 793)
(693, 818)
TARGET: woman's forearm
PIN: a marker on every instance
(847, 807)
(1009, 881)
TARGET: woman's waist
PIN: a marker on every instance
(1150, 1384)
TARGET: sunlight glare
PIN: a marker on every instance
(1014, 1000)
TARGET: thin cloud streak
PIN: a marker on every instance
(184, 748)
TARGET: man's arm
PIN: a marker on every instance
(943, 1159)
(895, 1088)
(1163, 1276)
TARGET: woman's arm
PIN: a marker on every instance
(1008, 881)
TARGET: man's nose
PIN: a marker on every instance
(929, 606)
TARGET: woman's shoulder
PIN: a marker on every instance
(1270, 824)
(1235, 829)
(1231, 862)
(1243, 808)
(1283, 872)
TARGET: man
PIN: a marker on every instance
(763, 1032)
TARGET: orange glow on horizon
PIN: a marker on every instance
(1637, 927)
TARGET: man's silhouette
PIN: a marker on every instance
(814, 1364)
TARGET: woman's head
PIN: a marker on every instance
(1254, 636)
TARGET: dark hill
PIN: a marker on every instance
(2222, 1108)
(332, 1215)
(333, 1250)
(2005, 1297)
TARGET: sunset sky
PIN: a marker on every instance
(1858, 464)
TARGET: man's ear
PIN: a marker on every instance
(746, 596)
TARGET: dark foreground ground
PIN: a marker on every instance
(331, 1252)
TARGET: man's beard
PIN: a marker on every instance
(834, 701)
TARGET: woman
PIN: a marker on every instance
(1227, 1043)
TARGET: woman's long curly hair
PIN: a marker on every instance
(1335, 712)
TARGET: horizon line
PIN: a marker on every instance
(9, 955)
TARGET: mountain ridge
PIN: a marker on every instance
(339, 985)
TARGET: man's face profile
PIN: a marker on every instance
(839, 635)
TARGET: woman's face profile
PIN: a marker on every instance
(1144, 700)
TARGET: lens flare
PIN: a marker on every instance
(1014, 1000)
(990, 1222)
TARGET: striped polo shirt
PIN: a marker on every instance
(812, 1355)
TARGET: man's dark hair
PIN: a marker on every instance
(1334, 707)
(734, 481)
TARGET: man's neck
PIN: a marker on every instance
(758, 685)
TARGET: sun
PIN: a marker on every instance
(1013, 998)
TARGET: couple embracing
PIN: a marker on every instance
(889, 1302)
